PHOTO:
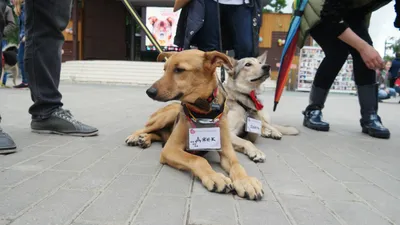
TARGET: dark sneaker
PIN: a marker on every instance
(21, 85)
(7, 144)
(62, 122)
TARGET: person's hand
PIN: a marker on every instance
(371, 57)
(387, 90)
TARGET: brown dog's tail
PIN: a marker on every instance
(286, 130)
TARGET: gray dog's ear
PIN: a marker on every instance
(231, 71)
(263, 58)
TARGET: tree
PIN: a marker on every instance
(275, 6)
(392, 46)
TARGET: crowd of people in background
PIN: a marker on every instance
(389, 80)
(10, 26)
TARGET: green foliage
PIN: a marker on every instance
(275, 6)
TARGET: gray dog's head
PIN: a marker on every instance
(248, 73)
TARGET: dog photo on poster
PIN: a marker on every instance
(162, 22)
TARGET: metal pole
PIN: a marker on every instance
(133, 12)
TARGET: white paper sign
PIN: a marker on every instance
(204, 138)
(253, 125)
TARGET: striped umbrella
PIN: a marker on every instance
(289, 49)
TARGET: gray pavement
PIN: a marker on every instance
(339, 177)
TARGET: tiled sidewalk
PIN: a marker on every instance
(339, 177)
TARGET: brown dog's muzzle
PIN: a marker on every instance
(152, 92)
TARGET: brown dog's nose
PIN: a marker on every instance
(266, 67)
(151, 92)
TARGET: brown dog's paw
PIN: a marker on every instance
(249, 188)
(218, 182)
(144, 141)
(132, 140)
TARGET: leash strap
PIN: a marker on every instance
(220, 44)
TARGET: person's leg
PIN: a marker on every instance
(336, 53)
(392, 92)
(207, 38)
(21, 53)
(7, 144)
(382, 94)
(45, 21)
(241, 25)
(367, 87)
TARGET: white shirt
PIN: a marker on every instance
(232, 2)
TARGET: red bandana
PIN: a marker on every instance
(256, 102)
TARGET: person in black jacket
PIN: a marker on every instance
(240, 25)
(343, 29)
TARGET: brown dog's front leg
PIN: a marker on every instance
(182, 160)
(245, 186)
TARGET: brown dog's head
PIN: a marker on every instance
(188, 75)
(248, 73)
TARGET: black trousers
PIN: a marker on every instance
(45, 21)
(336, 53)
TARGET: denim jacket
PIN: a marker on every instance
(21, 20)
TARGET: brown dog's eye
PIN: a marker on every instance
(178, 70)
(248, 64)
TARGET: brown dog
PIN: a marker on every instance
(190, 77)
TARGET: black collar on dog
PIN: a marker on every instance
(210, 106)
(245, 107)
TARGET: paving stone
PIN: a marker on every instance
(344, 167)
(12, 177)
(82, 160)
(324, 185)
(212, 210)
(142, 169)
(382, 180)
(171, 181)
(261, 213)
(29, 192)
(308, 211)
(22, 155)
(39, 163)
(101, 173)
(56, 209)
(163, 210)
(379, 199)
(118, 202)
(356, 213)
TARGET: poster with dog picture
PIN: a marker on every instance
(162, 23)
(310, 58)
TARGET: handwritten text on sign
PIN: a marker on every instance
(253, 125)
(204, 138)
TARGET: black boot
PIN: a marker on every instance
(313, 113)
(370, 121)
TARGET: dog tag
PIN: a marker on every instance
(205, 139)
(253, 125)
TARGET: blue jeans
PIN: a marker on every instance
(234, 18)
(21, 54)
(382, 94)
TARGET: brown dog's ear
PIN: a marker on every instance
(215, 59)
(170, 20)
(152, 20)
(164, 55)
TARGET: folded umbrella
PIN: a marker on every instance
(289, 49)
